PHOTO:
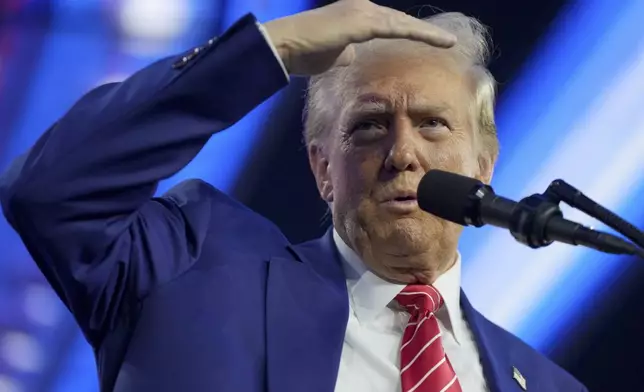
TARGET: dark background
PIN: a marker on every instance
(604, 348)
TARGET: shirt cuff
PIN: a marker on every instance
(270, 44)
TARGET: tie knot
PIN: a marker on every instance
(420, 298)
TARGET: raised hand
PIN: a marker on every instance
(311, 42)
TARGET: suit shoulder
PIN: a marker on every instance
(196, 197)
(195, 191)
(212, 211)
(532, 360)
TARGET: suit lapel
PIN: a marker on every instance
(307, 310)
(494, 351)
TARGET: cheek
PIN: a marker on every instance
(455, 155)
(355, 174)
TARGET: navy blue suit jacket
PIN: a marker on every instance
(192, 291)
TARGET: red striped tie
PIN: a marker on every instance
(424, 367)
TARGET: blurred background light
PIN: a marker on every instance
(589, 132)
(41, 305)
(9, 385)
(572, 111)
(22, 352)
(154, 19)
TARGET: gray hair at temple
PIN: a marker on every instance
(473, 48)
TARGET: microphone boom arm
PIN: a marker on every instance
(560, 191)
(531, 222)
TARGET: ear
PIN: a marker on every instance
(486, 167)
(319, 162)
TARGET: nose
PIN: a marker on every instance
(403, 153)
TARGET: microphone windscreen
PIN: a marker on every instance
(446, 195)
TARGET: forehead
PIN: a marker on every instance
(425, 77)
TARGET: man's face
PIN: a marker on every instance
(399, 119)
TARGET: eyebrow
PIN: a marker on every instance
(377, 104)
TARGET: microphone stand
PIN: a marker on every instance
(531, 223)
(561, 191)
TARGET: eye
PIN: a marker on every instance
(366, 125)
(435, 122)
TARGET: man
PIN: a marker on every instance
(194, 292)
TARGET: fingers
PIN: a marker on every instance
(420, 30)
(394, 24)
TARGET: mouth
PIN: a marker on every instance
(403, 202)
(403, 198)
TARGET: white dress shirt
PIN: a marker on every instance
(370, 360)
(267, 37)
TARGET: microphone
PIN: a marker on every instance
(534, 221)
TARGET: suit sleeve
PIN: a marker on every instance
(81, 197)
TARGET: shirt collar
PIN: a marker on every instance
(369, 294)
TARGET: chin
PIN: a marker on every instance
(405, 236)
(421, 274)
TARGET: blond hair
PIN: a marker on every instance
(473, 48)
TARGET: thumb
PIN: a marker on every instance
(345, 58)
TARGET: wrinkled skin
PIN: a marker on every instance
(400, 116)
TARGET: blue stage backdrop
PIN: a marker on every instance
(52, 52)
(574, 113)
